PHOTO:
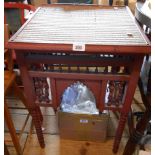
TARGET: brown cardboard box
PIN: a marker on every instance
(82, 126)
(38, 3)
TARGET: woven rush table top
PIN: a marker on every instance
(95, 26)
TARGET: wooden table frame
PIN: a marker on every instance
(37, 62)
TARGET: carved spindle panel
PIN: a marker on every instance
(41, 89)
(115, 93)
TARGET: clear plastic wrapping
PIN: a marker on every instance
(78, 99)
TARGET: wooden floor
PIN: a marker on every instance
(55, 145)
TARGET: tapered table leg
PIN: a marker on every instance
(119, 132)
(38, 126)
(30, 96)
(128, 100)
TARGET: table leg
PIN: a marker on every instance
(141, 126)
(137, 134)
(128, 100)
(40, 114)
(119, 132)
(30, 96)
(37, 123)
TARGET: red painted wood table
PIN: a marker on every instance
(103, 47)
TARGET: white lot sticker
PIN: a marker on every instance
(78, 47)
(83, 121)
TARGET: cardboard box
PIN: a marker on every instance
(82, 126)
(38, 3)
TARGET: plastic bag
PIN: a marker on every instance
(78, 99)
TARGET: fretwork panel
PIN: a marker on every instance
(115, 93)
(42, 90)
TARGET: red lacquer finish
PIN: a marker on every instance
(110, 71)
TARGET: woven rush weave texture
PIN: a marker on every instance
(108, 26)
